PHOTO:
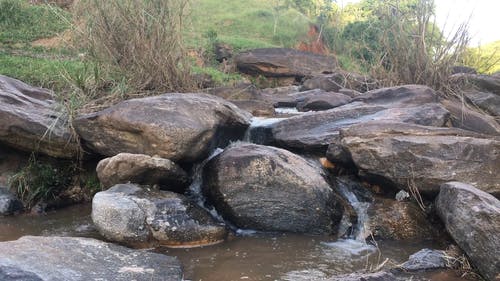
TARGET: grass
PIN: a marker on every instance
(21, 22)
(246, 24)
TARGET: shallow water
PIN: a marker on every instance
(248, 255)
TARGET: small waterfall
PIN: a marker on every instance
(194, 190)
(259, 131)
(355, 244)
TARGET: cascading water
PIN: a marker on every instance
(355, 243)
(194, 190)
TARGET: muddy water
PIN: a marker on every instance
(245, 256)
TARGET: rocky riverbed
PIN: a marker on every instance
(319, 192)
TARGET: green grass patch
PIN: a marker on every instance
(247, 24)
(41, 72)
(219, 78)
(21, 22)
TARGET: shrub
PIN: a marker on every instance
(40, 182)
(139, 40)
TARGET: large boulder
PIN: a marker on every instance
(472, 217)
(179, 127)
(33, 258)
(421, 157)
(270, 189)
(136, 216)
(9, 204)
(142, 169)
(31, 120)
(314, 131)
(280, 62)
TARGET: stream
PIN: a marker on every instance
(247, 254)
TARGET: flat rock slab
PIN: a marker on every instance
(315, 130)
(31, 120)
(142, 169)
(472, 217)
(136, 216)
(421, 156)
(270, 189)
(282, 62)
(179, 127)
(67, 258)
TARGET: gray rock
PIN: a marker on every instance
(31, 120)
(281, 62)
(270, 189)
(179, 127)
(9, 204)
(486, 101)
(472, 217)
(322, 101)
(425, 259)
(142, 169)
(65, 258)
(139, 216)
(314, 131)
(465, 118)
(425, 157)
(340, 79)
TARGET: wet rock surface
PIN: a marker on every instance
(270, 189)
(179, 127)
(142, 169)
(420, 156)
(9, 204)
(472, 218)
(64, 258)
(31, 120)
(132, 215)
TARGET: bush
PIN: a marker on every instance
(139, 40)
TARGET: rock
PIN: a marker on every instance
(390, 219)
(472, 217)
(489, 83)
(142, 169)
(377, 276)
(281, 62)
(9, 204)
(399, 96)
(31, 120)
(11, 161)
(314, 131)
(425, 259)
(468, 119)
(179, 127)
(136, 216)
(340, 79)
(321, 101)
(463, 69)
(270, 189)
(487, 101)
(33, 258)
(422, 157)
(222, 52)
(247, 97)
